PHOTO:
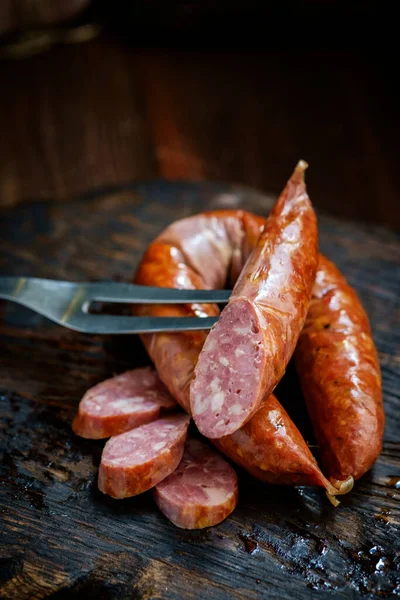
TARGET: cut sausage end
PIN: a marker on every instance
(226, 389)
(202, 491)
(137, 460)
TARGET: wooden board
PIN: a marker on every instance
(61, 538)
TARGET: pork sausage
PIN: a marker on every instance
(137, 460)
(122, 403)
(246, 353)
(339, 372)
(201, 492)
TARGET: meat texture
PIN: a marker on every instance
(137, 460)
(122, 403)
(201, 492)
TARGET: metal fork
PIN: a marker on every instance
(68, 303)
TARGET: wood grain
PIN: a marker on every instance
(106, 112)
(61, 538)
(247, 116)
(71, 119)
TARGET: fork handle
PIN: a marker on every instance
(11, 287)
(36, 294)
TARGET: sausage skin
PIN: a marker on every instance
(339, 372)
(137, 460)
(246, 353)
(201, 492)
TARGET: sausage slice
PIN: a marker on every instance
(201, 492)
(122, 403)
(137, 460)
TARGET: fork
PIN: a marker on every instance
(68, 304)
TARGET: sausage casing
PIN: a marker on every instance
(339, 372)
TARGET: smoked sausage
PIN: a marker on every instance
(335, 358)
(246, 353)
(339, 372)
(201, 492)
(224, 240)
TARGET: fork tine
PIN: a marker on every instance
(141, 294)
(66, 303)
(111, 324)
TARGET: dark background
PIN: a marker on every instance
(227, 91)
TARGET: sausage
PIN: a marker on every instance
(137, 460)
(339, 372)
(272, 449)
(246, 353)
(170, 261)
(201, 492)
(122, 403)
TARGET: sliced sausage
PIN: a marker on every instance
(137, 460)
(339, 372)
(247, 351)
(122, 403)
(201, 492)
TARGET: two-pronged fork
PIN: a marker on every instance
(68, 304)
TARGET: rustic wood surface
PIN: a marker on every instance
(61, 538)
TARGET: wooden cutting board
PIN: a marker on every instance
(61, 538)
